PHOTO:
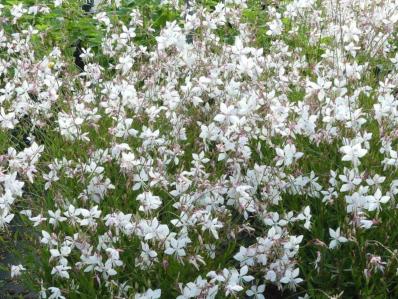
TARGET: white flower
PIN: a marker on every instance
(212, 225)
(350, 180)
(291, 277)
(55, 293)
(140, 179)
(61, 254)
(125, 64)
(48, 239)
(353, 153)
(86, 55)
(148, 202)
(55, 217)
(61, 271)
(243, 274)
(17, 270)
(5, 217)
(306, 215)
(271, 276)
(177, 247)
(89, 216)
(153, 229)
(337, 239)
(366, 224)
(6, 200)
(7, 121)
(356, 202)
(228, 114)
(287, 155)
(256, 291)
(376, 180)
(149, 294)
(275, 27)
(377, 199)
(199, 159)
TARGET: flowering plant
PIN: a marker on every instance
(222, 149)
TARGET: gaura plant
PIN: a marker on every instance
(232, 149)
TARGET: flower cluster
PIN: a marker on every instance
(191, 167)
